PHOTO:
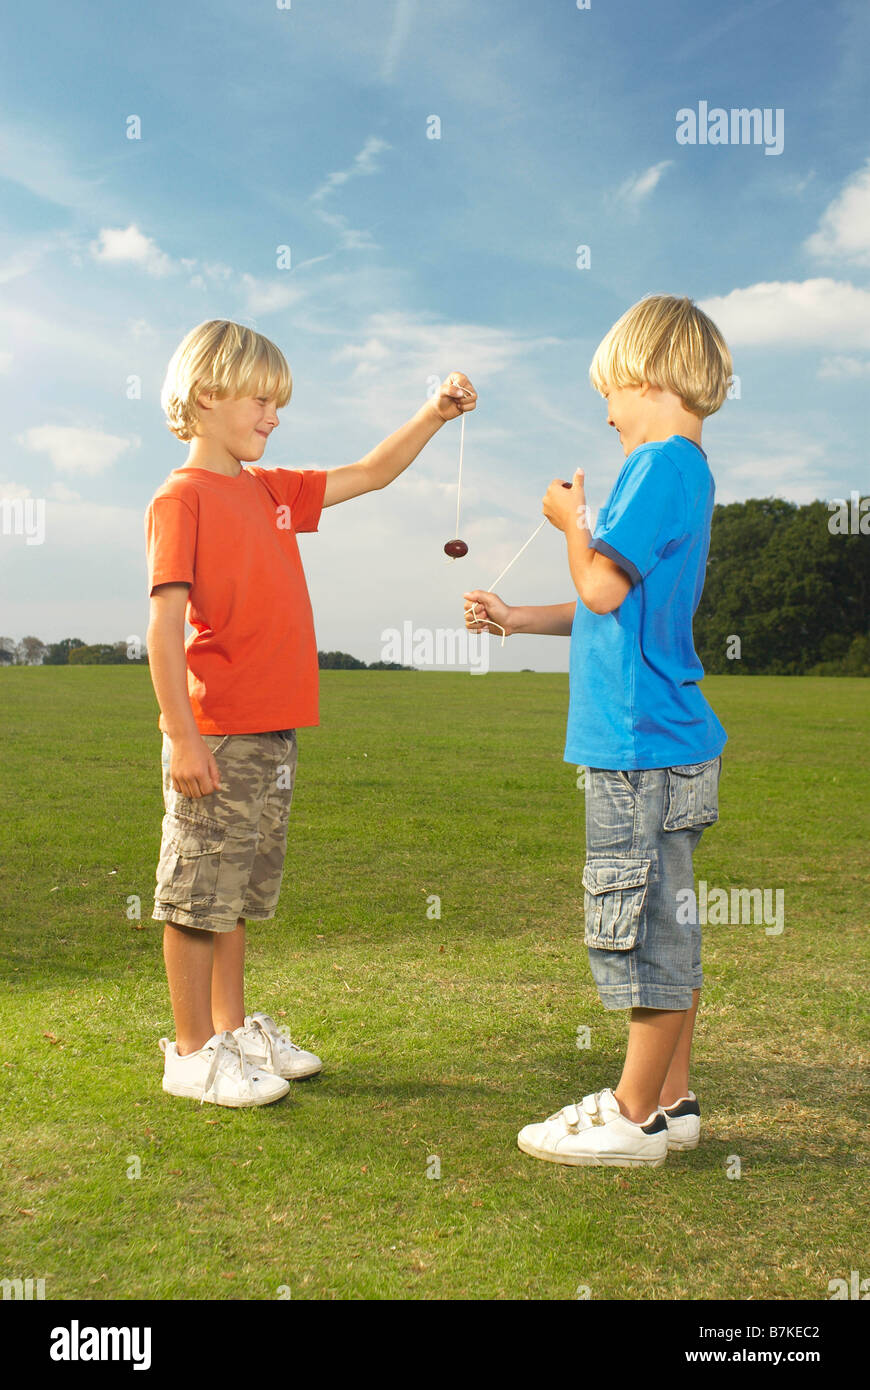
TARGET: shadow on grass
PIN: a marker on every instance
(798, 1143)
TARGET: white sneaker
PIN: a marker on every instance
(272, 1050)
(221, 1073)
(683, 1121)
(595, 1131)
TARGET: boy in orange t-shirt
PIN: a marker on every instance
(222, 552)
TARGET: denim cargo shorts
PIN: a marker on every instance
(222, 855)
(642, 827)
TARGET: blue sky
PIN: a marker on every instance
(307, 127)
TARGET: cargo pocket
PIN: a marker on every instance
(613, 901)
(692, 795)
(215, 742)
(187, 874)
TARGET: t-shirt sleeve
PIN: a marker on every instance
(302, 490)
(309, 503)
(644, 515)
(170, 538)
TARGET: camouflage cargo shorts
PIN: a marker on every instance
(222, 855)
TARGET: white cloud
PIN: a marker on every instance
(639, 186)
(850, 367)
(808, 313)
(369, 356)
(59, 492)
(13, 490)
(5, 361)
(28, 158)
(366, 162)
(352, 238)
(212, 270)
(270, 296)
(73, 449)
(416, 349)
(394, 45)
(87, 580)
(794, 185)
(711, 31)
(392, 360)
(777, 464)
(131, 246)
(21, 263)
(127, 245)
(844, 231)
(39, 339)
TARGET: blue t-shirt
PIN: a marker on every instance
(634, 696)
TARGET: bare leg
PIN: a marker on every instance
(188, 953)
(676, 1084)
(652, 1040)
(228, 979)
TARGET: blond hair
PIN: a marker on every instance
(226, 359)
(671, 343)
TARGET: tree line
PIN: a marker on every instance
(787, 593)
(72, 651)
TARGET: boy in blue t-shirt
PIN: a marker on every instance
(649, 743)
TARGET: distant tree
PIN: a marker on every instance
(794, 593)
(123, 652)
(104, 654)
(100, 654)
(339, 661)
(7, 651)
(856, 661)
(31, 651)
(58, 652)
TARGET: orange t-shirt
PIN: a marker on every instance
(252, 658)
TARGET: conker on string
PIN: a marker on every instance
(456, 549)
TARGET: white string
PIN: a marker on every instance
(474, 617)
(458, 503)
(490, 621)
(459, 484)
(461, 451)
(516, 557)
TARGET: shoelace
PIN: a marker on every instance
(228, 1047)
(272, 1034)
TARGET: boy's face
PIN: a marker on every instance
(625, 411)
(241, 425)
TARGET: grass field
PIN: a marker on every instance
(440, 1037)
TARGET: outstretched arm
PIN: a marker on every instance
(546, 620)
(394, 454)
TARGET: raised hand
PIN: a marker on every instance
(456, 396)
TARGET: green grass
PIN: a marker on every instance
(440, 1037)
